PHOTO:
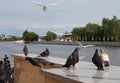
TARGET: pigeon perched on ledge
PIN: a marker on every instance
(73, 58)
(97, 61)
(45, 53)
(38, 61)
(25, 50)
(105, 58)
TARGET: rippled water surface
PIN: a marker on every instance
(62, 51)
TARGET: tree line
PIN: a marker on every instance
(108, 31)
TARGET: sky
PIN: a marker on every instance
(16, 16)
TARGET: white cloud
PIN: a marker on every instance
(20, 24)
(9, 23)
(54, 26)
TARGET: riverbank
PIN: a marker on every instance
(110, 44)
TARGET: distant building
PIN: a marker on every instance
(60, 37)
(41, 38)
(5, 37)
(66, 37)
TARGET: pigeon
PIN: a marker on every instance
(72, 59)
(96, 59)
(45, 53)
(25, 50)
(38, 61)
(105, 58)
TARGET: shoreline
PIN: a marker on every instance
(108, 44)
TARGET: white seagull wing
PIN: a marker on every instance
(79, 44)
(53, 4)
(88, 46)
(83, 46)
(39, 4)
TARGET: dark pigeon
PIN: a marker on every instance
(96, 59)
(1, 63)
(73, 58)
(2, 72)
(45, 53)
(5, 58)
(38, 61)
(7, 70)
(25, 50)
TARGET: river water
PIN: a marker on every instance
(62, 51)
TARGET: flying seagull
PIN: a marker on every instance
(83, 46)
(44, 7)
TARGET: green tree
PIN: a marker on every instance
(50, 36)
(25, 32)
(111, 28)
(109, 31)
(91, 31)
(77, 33)
(30, 37)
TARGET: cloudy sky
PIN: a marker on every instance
(17, 16)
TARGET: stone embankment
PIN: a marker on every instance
(113, 44)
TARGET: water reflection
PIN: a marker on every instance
(70, 73)
(99, 76)
(61, 51)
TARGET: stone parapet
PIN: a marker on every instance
(25, 72)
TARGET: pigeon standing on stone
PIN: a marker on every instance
(1, 63)
(7, 70)
(72, 59)
(25, 50)
(96, 59)
(105, 58)
(45, 53)
(38, 61)
(2, 72)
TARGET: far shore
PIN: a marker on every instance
(96, 43)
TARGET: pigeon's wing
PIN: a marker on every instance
(75, 54)
(35, 61)
(69, 61)
(31, 60)
(76, 58)
(43, 53)
(97, 61)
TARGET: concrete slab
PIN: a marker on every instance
(51, 59)
(86, 72)
(83, 72)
